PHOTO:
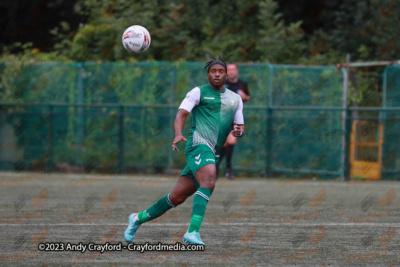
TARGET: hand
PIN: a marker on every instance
(237, 130)
(177, 139)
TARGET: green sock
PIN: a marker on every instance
(200, 201)
(155, 210)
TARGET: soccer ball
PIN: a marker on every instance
(136, 39)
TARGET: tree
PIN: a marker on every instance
(250, 31)
(369, 23)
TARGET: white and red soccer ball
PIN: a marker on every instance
(136, 39)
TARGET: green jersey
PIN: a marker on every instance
(213, 115)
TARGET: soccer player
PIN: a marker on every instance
(215, 109)
(238, 86)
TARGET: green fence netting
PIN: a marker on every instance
(391, 123)
(119, 117)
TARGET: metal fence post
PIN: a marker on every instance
(171, 112)
(79, 124)
(269, 120)
(382, 113)
(121, 139)
(347, 144)
(384, 92)
(51, 139)
(344, 119)
(269, 141)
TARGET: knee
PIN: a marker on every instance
(177, 199)
(208, 183)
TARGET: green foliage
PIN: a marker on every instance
(251, 31)
(367, 91)
(368, 24)
(243, 31)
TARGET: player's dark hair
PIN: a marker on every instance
(214, 61)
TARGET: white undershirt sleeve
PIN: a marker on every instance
(191, 100)
(239, 112)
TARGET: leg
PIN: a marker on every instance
(202, 164)
(184, 188)
(230, 143)
(229, 153)
(205, 176)
(221, 156)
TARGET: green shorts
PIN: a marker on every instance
(197, 157)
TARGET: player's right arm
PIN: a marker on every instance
(178, 125)
(191, 100)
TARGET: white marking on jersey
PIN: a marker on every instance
(208, 97)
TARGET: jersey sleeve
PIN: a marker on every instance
(239, 113)
(191, 100)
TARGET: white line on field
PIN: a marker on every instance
(227, 224)
(282, 183)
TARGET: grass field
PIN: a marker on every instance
(256, 222)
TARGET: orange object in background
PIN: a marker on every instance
(366, 149)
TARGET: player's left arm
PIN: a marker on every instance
(238, 123)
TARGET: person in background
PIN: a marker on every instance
(238, 86)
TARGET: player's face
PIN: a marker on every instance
(217, 75)
(232, 71)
